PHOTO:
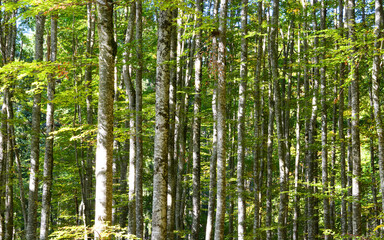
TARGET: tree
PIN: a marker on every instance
(241, 122)
(196, 126)
(376, 92)
(88, 183)
(355, 133)
(130, 92)
(104, 150)
(213, 161)
(48, 158)
(221, 119)
(159, 207)
(35, 137)
(139, 116)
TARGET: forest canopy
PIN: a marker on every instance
(217, 119)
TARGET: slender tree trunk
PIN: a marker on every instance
(376, 220)
(376, 70)
(355, 133)
(183, 121)
(213, 161)
(48, 158)
(306, 113)
(221, 119)
(9, 202)
(196, 126)
(130, 91)
(258, 159)
(332, 204)
(324, 130)
(132, 178)
(3, 166)
(296, 214)
(172, 165)
(8, 156)
(159, 207)
(139, 117)
(88, 202)
(268, 210)
(287, 114)
(241, 228)
(179, 127)
(19, 170)
(282, 234)
(35, 138)
(312, 223)
(104, 150)
(343, 174)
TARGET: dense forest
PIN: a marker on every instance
(191, 119)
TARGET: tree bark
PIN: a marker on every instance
(179, 127)
(282, 234)
(35, 138)
(4, 163)
(268, 210)
(213, 161)
(258, 151)
(139, 117)
(104, 150)
(221, 119)
(9, 201)
(241, 228)
(159, 207)
(296, 214)
(324, 130)
(343, 175)
(172, 156)
(311, 202)
(88, 205)
(48, 158)
(130, 92)
(376, 70)
(355, 132)
(196, 125)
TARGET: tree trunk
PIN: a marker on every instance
(159, 207)
(3, 166)
(213, 161)
(355, 132)
(312, 223)
(221, 119)
(376, 70)
(268, 210)
(282, 234)
(9, 202)
(196, 126)
(296, 214)
(332, 204)
(324, 130)
(376, 220)
(35, 138)
(104, 150)
(132, 178)
(179, 128)
(130, 92)
(241, 228)
(139, 117)
(7, 217)
(172, 164)
(88, 203)
(48, 158)
(343, 175)
(183, 121)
